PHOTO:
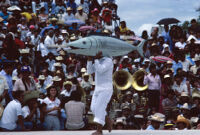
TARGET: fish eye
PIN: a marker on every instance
(84, 42)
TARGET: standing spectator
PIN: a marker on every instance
(25, 83)
(53, 109)
(154, 85)
(75, 111)
(13, 113)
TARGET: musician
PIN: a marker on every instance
(103, 69)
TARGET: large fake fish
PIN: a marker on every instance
(109, 46)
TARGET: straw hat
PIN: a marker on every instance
(59, 58)
(196, 94)
(70, 77)
(56, 79)
(57, 64)
(53, 19)
(13, 8)
(185, 106)
(1, 19)
(157, 117)
(139, 116)
(120, 120)
(31, 95)
(14, 78)
(85, 74)
(69, 9)
(48, 86)
(41, 77)
(182, 119)
(80, 8)
(83, 70)
(184, 94)
(62, 53)
(67, 82)
(166, 76)
(24, 51)
(169, 62)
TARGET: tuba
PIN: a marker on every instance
(122, 80)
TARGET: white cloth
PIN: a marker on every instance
(10, 115)
(43, 49)
(3, 87)
(52, 104)
(103, 70)
(186, 64)
(154, 82)
(50, 44)
(66, 93)
(82, 17)
(180, 45)
(180, 88)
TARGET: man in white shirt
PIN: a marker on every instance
(179, 86)
(103, 69)
(154, 85)
(81, 15)
(50, 44)
(13, 114)
(181, 44)
(68, 16)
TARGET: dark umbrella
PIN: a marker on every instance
(167, 21)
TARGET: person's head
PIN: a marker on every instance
(182, 122)
(19, 95)
(123, 24)
(69, 10)
(178, 79)
(126, 111)
(152, 68)
(51, 33)
(8, 68)
(86, 77)
(80, 10)
(25, 70)
(155, 124)
(42, 10)
(32, 103)
(170, 94)
(67, 85)
(166, 27)
(193, 22)
(52, 92)
(76, 95)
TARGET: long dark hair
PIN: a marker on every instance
(48, 91)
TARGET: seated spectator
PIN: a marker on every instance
(182, 123)
(107, 15)
(181, 43)
(68, 16)
(72, 5)
(156, 121)
(75, 111)
(4, 14)
(53, 109)
(81, 15)
(95, 17)
(43, 17)
(179, 86)
(12, 119)
(25, 83)
(123, 28)
(86, 84)
(66, 93)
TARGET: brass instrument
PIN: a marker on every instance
(122, 80)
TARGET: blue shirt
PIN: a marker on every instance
(150, 127)
(176, 66)
(9, 81)
(190, 59)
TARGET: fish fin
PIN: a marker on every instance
(140, 48)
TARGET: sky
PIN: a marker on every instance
(143, 14)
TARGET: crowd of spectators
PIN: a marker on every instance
(42, 87)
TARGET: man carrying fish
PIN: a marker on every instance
(103, 69)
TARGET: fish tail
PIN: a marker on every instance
(140, 48)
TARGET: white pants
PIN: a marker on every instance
(100, 100)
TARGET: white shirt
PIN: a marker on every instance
(10, 115)
(180, 45)
(66, 93)
(186, 64)
(103, 69)
(85, 84)
(82, 17)
(180, 88)
(154, 82)
(43, 49)
(52, 104)
(50, 44)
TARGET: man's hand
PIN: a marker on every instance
(90, 58)
(98, 55)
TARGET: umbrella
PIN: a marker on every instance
(85, 28)
(167, 21)
(79, 22)
(161, 59)
(46, 28)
